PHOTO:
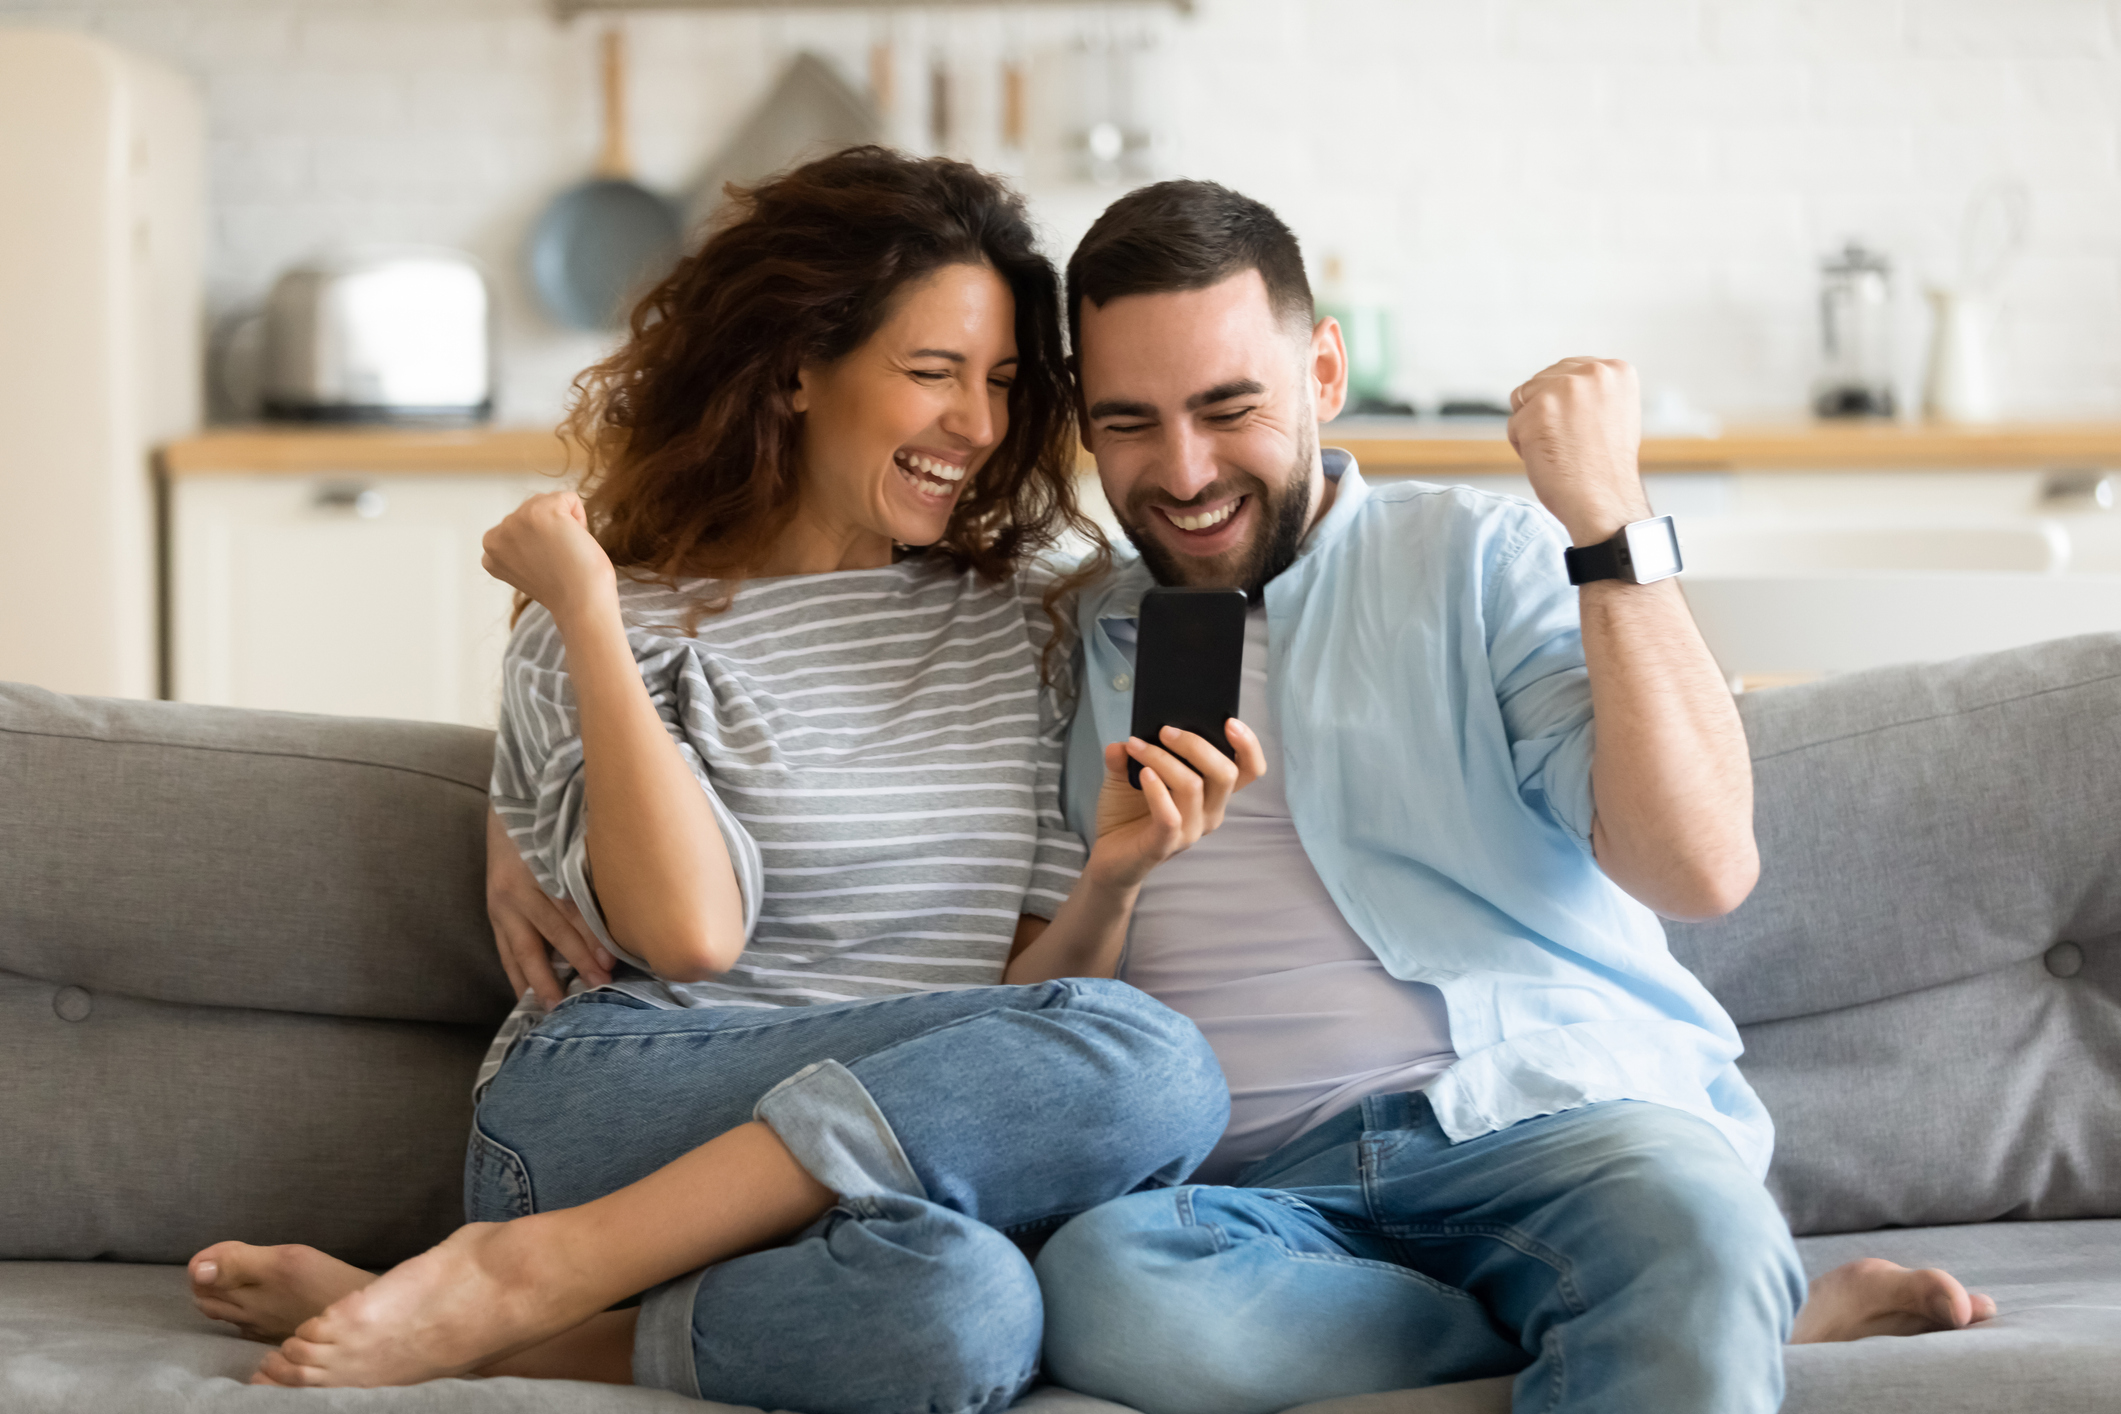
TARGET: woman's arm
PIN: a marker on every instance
(664, 881)
(1136, 831)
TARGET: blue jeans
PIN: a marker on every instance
(1618, 1256)
(942, 1120)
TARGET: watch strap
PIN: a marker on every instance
(1591, 563)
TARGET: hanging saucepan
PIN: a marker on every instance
(602, 240)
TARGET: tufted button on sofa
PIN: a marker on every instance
(245, 980)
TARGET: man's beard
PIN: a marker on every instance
(1283, 516)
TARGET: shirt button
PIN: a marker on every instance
(1122, 683)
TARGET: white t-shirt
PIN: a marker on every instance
(1240, 934)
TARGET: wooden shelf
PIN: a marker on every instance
(1383, 447)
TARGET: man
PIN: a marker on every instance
(1482, 1121)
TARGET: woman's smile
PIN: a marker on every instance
(937, 475)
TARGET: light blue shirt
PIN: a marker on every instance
(1427, 679)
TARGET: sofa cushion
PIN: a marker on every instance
(118, 1339)
(2054, 1346)
(1928, 976)
(96, 1336)
(141, 1131)
(125, 1340)
(245, 977)
(246, 859)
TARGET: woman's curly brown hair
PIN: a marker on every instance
(690, 432)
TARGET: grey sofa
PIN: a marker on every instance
(245, 979)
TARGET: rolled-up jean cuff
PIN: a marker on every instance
(832, 1126)
(662, 1337)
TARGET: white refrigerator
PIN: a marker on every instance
(102, 216)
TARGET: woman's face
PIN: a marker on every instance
(894, 432)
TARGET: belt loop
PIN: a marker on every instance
(1401, 1109)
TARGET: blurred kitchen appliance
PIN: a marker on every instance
(601, 242)
(1856, 335)
(102, 224)
(397, 334)
(1959, 385)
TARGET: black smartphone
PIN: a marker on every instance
(1189, 653)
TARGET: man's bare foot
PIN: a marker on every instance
(266, 1292)
(487, 1292)
(1871, 1296)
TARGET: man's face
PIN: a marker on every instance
(1202, 409)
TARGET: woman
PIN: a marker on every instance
(803, 789)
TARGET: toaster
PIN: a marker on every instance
(390, 335)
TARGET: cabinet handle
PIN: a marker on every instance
(2078, 491)
(364, 501)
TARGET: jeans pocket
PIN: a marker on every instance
(496, 1184)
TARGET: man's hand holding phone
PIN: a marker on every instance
(1186, 783)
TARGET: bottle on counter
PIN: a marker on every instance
(1856, 334)
(1366, 327)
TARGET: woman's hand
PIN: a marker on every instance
(525, 919)
(544, 548)
(1140, 829)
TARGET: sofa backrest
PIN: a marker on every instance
(245, 977)
(1928, 977)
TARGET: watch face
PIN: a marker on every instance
(1653, 549)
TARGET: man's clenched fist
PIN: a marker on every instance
(1578, 426)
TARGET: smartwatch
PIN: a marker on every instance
(1641, 553)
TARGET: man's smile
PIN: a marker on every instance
(1208, 528)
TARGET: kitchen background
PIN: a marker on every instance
(1482, 186)
(1516, 179)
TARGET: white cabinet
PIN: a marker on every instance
(348, 594)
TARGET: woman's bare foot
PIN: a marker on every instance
(486, 1293)
(266, 1292)
(1871, 1296)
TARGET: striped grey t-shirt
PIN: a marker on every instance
(879, 752)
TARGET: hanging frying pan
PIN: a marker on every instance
(602, 240)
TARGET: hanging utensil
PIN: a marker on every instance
(1013, 104)
(1998, 218)
(602, 240)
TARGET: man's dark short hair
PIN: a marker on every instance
(1185, 235)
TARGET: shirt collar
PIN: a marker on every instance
(1350, 491)
(1122, 597)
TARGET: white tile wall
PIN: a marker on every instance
(1522, 178)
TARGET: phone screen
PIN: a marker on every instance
(1189, 654)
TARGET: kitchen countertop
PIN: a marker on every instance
(1387, 446)
(303, 451)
